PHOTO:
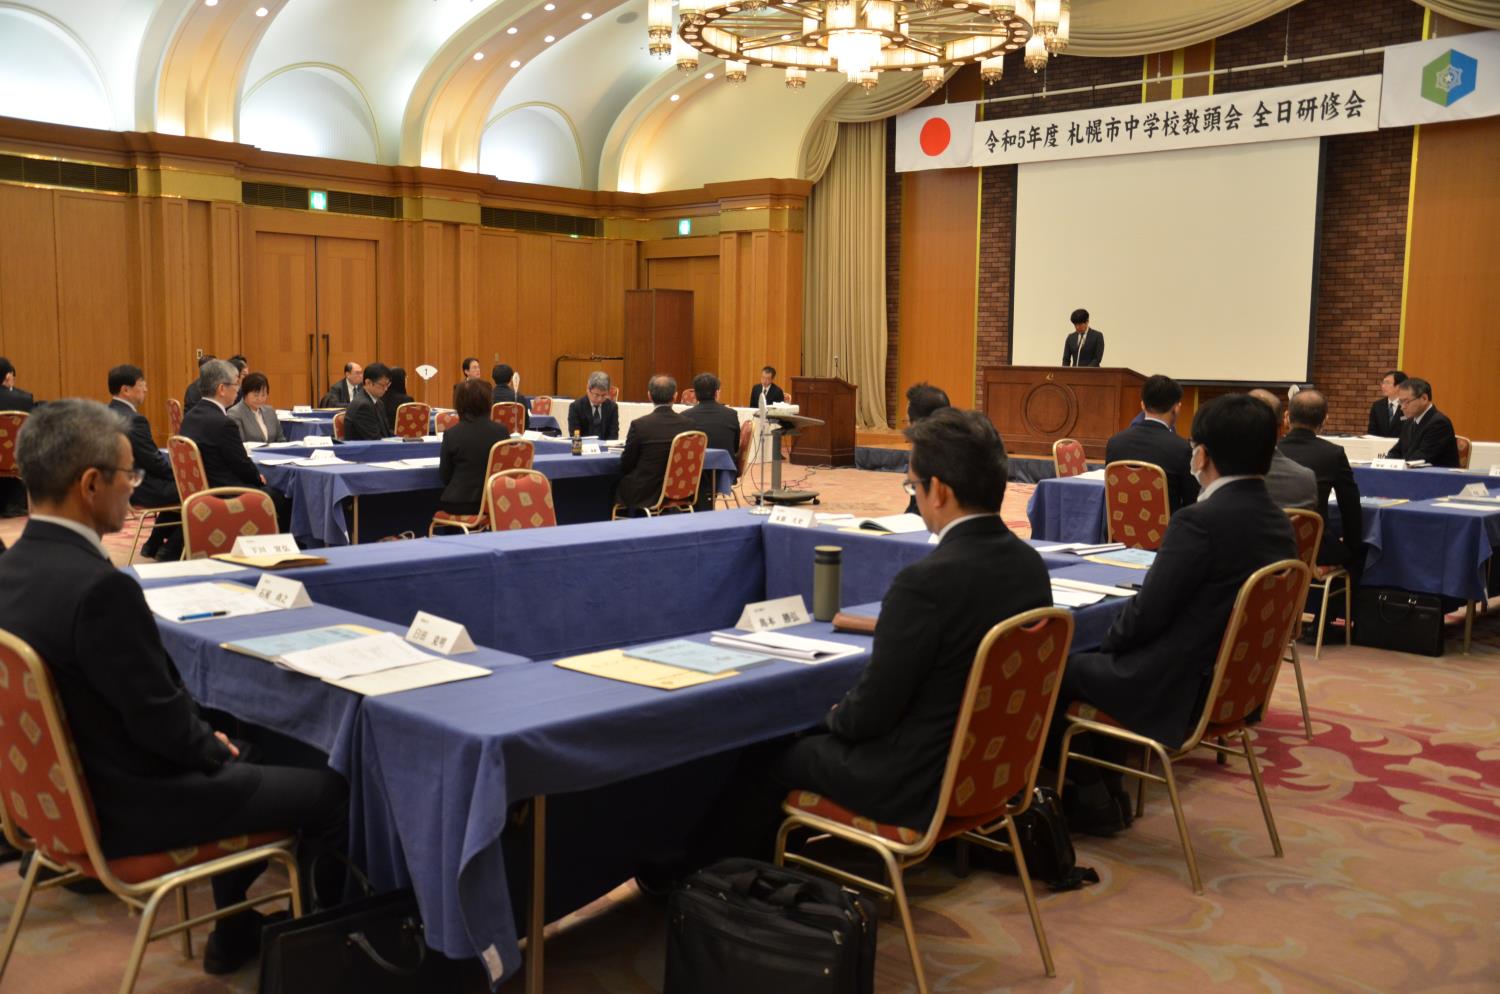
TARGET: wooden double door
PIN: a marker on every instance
(314, 310)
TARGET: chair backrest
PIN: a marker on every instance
(411, 419)
(689, 396)
(187, 466)
(510, 414)
(541, 405)
(747, 434)
(1307, 526)
(446, 420)
(519, 498)
(42, 791)
(513, 453)
(174, 416)
(11, 423)
(1136, 507)
(338, 426)
(1269, 603)
(1465, 449)
(1003, 718)
(1068, 458)
(213, 519)
(614, 393)
(684, 472)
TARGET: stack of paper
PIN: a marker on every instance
(322, 457)
(201, 601)
(613, 664)
(273, 560)
(1129, 558)
(1063, 597)
(797, 648)
(895, 524)
(181, 568)
(1091, 588)
(430, 462)
(696, 656)
(1093, 474)
(358, 659)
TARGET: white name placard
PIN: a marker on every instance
(280, 592)
(1475, 490)
(265, 545)
(1382, 463)
(1495, 469)
(767, 616)
(592, 449)
(439, 634)
(795, 517)
(318, 442)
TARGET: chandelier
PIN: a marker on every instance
(859, 38)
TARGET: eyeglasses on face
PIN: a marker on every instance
(135, 476)
(910, 486)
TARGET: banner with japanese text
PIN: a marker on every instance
(1307, 110)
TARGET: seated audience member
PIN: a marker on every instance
(192, 395)
(160, 777)
(1154, 439)
(243, 365)
(767, 385)
(1385, 413)
(341, 392)
(719, 423)
(471, 371)
(394, 398)
(643, 464)
(880, 751)
(1330, 464)
(158, 488)
(1426, 432)
(594, 413)
(505, 391)
(220, 443)
(255, 414)
(363, 420)
(12, 398)
(1290, 484)
(1154, 667)
(921, 400)
(466, 449)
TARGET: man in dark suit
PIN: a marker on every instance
(505, 392)
(158, 488)
(1154, 439)
(341, 392)
(1426, 433)
(225, 461)
(160, 776)
(1385, 413)
(12, 493)
(192, 395)
(594, 413)
(921, 400)
(643, 464)
(1154, 667)
(1330, 464)
(719, 423)
(1289, 483)
(364, 421)
(1085, 346)
(767, 386)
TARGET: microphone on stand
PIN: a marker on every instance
(835, 367)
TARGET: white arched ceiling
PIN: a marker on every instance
(310, 110)
(532, 143)
(109, 31)
(47, 74)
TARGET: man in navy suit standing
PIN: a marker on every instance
(1085, 346)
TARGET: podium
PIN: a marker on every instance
(831, 401)
(658, 339)
(1034, 406)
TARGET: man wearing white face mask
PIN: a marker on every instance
(1155, 665)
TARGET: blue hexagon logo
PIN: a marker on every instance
(1449, 78)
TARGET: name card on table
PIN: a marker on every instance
(280, 592)
(592, 449)
(794, 517)
(439, 634)
(318, 442)
(1475, 490)
(301, 409)
(1495, 469)
(265, 545)
(767, 616)
(1382, 463)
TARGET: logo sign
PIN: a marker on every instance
(1444, 79)
(1449, 78)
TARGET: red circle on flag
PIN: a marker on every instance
(935, 136)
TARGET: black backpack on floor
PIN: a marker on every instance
(1045, 843)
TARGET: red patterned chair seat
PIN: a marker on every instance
(136, 869)
(1324, 572)
(1086, 711)
(821, 807)
(467, 520)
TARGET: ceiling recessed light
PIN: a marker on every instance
(786, 37)
(676, 97)
(586, 16)
(515, 63)
(478, 56)
(510, 31)
(550, 39)
(708, 75)
(261, 12)
(210, 3)
(550, 6)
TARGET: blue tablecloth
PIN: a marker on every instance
(1067, 510)
(302, 425)
(1414, 484)
(1430, 548)
(1091, 623)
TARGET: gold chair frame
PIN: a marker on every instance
(140, 514)
(1465, 450)
(145, 897)
(1151, 746)
(1310, 560)
(220, 493)
(338, 426)
(899, 856)
(661, 505)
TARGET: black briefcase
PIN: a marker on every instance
(743, 926)
(1387, 618)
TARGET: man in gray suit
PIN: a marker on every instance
(255, 415)
(1290, 484)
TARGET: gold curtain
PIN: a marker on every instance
(843, 311)
(1483, 13)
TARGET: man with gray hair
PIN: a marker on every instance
(594, 413)
(160, 776)
(1289, 484)
(225, 461)
(643, 464)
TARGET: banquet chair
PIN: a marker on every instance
(213, 519)
(541, 405)
(682, 478)
(187, 466)
(1068, 458)
(1136, 510)
(614, 394)
(140, 515)
(11, 423)
(412, 419)
(1465, 451)
(519, 498)
(1007, 706)
(511, 453)
(1307, 526)
(46, 809)
(1265, 611)
(174, 416)
(689, 396)
(510, 414)
(338, 426)
(445, 420)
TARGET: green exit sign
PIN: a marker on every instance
(685, 226)
(317, 200)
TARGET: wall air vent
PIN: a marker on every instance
(74, 175)
(556, 224)
(339, 201)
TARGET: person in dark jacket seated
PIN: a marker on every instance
(505, 391)
(364, 420)
(648, 446)
(220, 443)
(1155, 665)
(341, 392)
(394, 398)
(158, 488)
(12, 398)
(466, 449)
(161, 777)
(1426, 433)
(719, 423)
(594, 413)
(768, 387)
(1385, 413)
(921, 400)
(1330, 465)
(1154, 439)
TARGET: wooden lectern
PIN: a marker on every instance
(1034, 406)
(831, 401)
(658, 339)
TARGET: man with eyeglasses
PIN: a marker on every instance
(1426, 432)
(157, 488)
(161, 778)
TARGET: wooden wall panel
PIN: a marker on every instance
(28, 289)
(577, 297)
(499, 303)
(98, 290)
(939, 232)
(347, 306)
(530, 352)
(702, 275)
(284, 316)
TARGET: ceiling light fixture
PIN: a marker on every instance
(515, 63)
(478, 56)
(676, 97)
(261, 12)
(586, 16)
(550, 39)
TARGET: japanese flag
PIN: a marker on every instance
(936, 137)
